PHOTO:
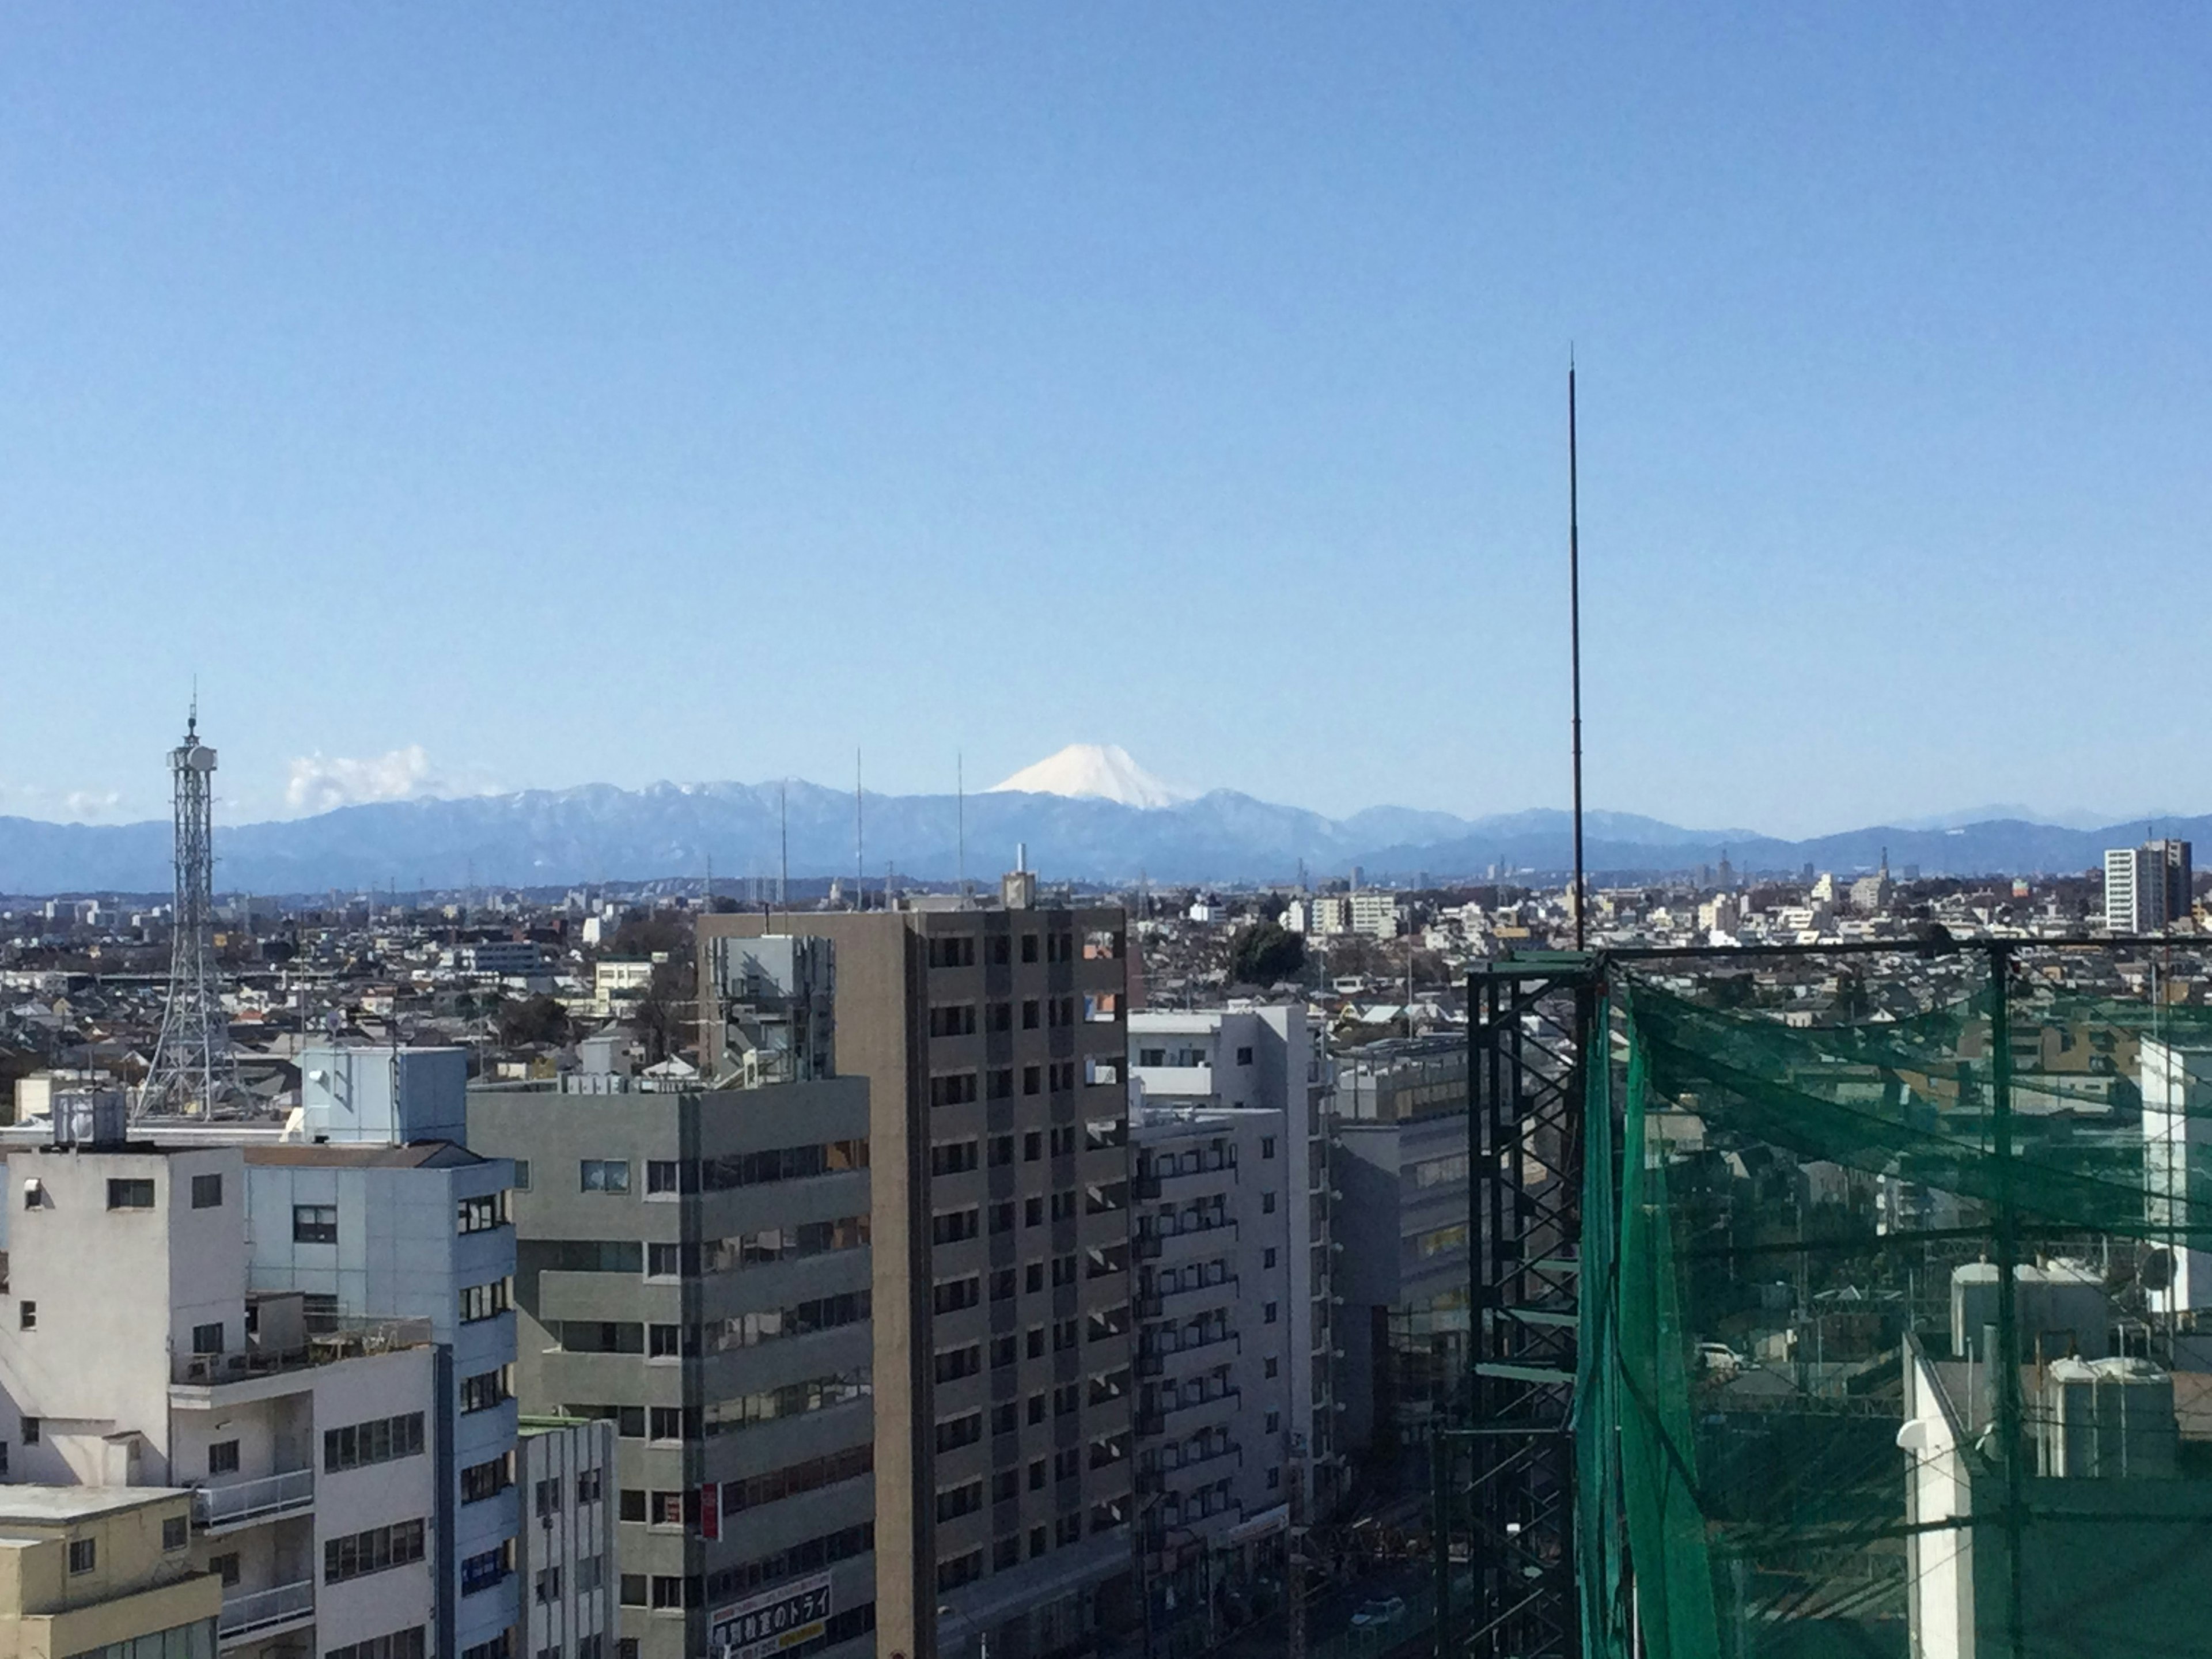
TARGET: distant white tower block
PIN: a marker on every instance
(2177, 1124)
(193, 1069)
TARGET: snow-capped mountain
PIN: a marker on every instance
(1091, 771)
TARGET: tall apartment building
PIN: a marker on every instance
(1218, 1355)
(133, 1354)
(993, 1042)
(2147, 889)
(565, 1556)
(693, 1269)
(101, 1570)
(1399, 1161)
(1268, 1056)
(381, 1209)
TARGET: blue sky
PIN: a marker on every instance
(500, 397)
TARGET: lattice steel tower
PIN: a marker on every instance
(193, 1069)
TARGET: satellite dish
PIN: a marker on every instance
(2156, 1272)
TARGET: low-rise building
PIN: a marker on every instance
(103, 1570)
(565, 1558)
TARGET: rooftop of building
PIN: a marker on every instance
(60, 1505)
(356, 1155)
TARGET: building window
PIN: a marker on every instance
(31, 1432)
(225, 1568)
(522, 1175)
(956, 1501)
(208, 1339)
(380, 1440)
(484, 1391)
(633, 1589)
(1266, 1146)
(1266, 1204)
(314, 1224)
(488, 1479)
(630, 1504)
(482, 1302)
(604, 1174)
(547, 1589)
(663, 1341)
(378, 1550)
(222, 1457)
(1267, 1257)
(954, 1089)
(667, 1592)
(207, 1192)
(83, 1554)
(1243, 1056)
(26, 1313)
(1274, 1479)
(411, 1643)
(1272, 1367)
(175, 1533)
(131, 1194)
(500, 1646)
(480, 1572)
(1275, 1421)
(481, 1214)
(960, 1570)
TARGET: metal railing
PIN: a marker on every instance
(347, 1338)
(260, 1609)
(242, 1501)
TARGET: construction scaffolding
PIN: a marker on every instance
(1845, 1302)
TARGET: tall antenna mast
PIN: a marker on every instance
(193, 1068)
(960, 783)
(859, 840)
(1575, 646)
(783, 832)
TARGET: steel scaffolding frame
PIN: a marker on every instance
(1506, 1480)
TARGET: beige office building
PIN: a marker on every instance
(104, 1572)
(993, 1040)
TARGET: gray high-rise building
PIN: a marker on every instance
(692, 1266)
(2147, 889)
(993, 1042)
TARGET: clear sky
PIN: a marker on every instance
(515, 396)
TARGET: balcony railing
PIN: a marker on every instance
(256, 1610)
(218, 1507)
(348, 1339)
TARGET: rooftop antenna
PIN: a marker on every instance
(193, 1067)
(783, 832)
(859, 840)
(960, 784)
(1574, 642)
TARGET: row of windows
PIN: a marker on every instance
(764, 1248)
(796, 1478)
(1056, 1077)
(808, 1557)
(674, 1177)
(482, 1302)
(380, 1440)
(959, 950)
(968, 1566)
(680, 1423)
(378, 1550)
(412, 1643)
(951, 1157)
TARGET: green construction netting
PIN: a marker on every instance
(1812, 1422)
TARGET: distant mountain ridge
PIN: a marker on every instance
(600, 833)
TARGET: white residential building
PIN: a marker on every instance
(133, 1354)
(566, 1563)
(1265, 1057)
(1375, 915)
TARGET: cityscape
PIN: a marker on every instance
(1192, 887)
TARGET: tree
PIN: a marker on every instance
(532, 1020)
(1266, 953)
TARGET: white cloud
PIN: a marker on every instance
(33, 800)
(319, 783)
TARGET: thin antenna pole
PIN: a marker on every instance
(1575, 647)
(960, 783)
(860, 841)
(783, 832)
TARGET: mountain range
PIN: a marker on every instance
(600, 833)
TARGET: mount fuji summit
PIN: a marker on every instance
(1091, 771)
